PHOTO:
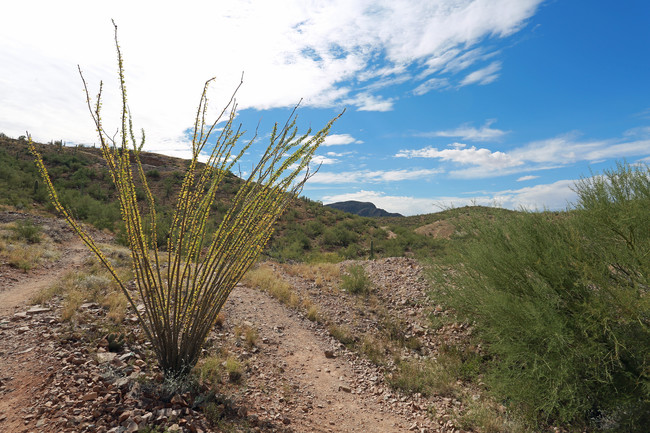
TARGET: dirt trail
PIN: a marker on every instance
(72, 253)
(334, 405)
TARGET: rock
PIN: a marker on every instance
(103, 357)
(329, 354)
(90, 396)
(177, 399)
(345, 388)
(38, 310)
(22, 329)
(132, 427)
(20, 316)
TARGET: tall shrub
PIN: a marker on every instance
(561, 299)
(184, 288)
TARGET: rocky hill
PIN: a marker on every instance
(365, 209)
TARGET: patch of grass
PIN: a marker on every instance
(322, 274)
(427, 377)
(116, 303)
(314, 314)
(486, 417)
(27, 231)
(23, 257)
(234, 370)
(265, 278)
(355, 280)
(248, 334)
(375, 349)
(343, 334)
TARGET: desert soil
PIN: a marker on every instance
(57, 376)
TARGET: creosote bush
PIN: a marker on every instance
(561, 301)
(184, 291)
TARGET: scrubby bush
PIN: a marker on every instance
(355, 280)
(561, 299)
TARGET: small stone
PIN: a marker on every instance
(103, 357)
(132, 427)
(345, 388)
(177, 399)
(38, 310)
(329, 354)
(89, 396)
(22, 329)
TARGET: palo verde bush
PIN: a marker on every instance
(561, 299)
(184, 293)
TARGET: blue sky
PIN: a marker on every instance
(449, 102)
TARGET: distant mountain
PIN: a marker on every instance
(360, 208)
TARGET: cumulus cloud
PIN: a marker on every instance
(326, 52)
(340, 139)
(324, 160)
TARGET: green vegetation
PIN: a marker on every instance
(561, 302)
(355, 280)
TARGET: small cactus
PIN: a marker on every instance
(115, 342)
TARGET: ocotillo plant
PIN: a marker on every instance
(183, 296)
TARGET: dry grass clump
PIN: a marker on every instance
(91, 284)
(322, 274)
(247, 333)
(219, 369)
(265, 278)
(486, 416)
(23, 246)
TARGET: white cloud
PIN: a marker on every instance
(471, 155)
(431, 84)
(370, 176)
(324, 160)
(289, 49)
(369, 102)
(556, 196)
(539, 155)
(483, 76)
(466, 132)
(525, 178)
(340, 139)
(338, 154)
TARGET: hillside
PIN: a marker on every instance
(307, 231)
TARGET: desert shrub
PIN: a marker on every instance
(561, 299)
(182, 295)
(153, 174)
(355, 280)
(338, 236)
(26, 230)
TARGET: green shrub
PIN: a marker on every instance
(27, 231)
(355, 280)
(561, 300)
